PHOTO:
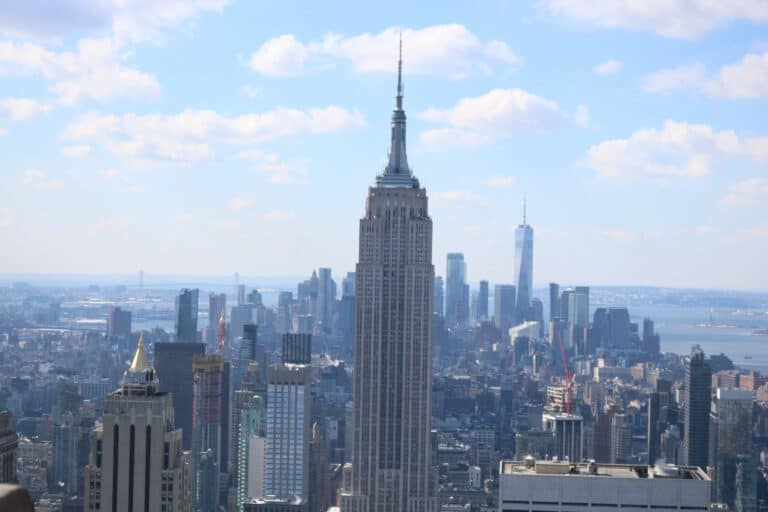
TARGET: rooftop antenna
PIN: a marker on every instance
(400, 75)
(525, 197)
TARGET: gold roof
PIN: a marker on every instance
(139, 362)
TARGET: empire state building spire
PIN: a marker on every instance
(397, 173)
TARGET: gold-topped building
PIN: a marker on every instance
(136, 460)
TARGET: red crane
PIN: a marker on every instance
(568, 374)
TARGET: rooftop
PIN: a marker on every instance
(632, 471)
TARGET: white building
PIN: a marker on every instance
(529, 329)
(544, 486)
(288, 431)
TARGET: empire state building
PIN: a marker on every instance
(391, 467)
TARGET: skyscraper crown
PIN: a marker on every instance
(397, 173)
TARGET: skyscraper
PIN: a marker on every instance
(482, 301)
(210, 427)
(173, 364)
(391, 450)
(439, 296)
(297, 348)
(523, 268)
(9, 445)
(503, 306)
(288, 431)
(326, 295)
(137, 462)
(118, 324)
(554, 301)
(733, 458)
(456, 290)
(217, 303)
(698, 394)
(186, 315)
(251, 452)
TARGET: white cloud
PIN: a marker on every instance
(687, 19)
(501, 181)
(281, 56)
(676, 150)
(500, 113)
(188, 137)
(20, 109)
(77, 151)
(750, 192)
(747, 78)
(94, 71)
(124, 21)
(38, 179)
(609, 67)
(278, 216)
(442, 50)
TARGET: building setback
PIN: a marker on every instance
(391, 449)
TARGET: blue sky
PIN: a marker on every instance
(208, 137)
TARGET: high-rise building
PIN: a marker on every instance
(346, 321)
(456, 290)
(529, 486)
(651, 343)
(239, 316)
(240, 294)
(612, 327)
(210, 428)
(217, 303)
(391, 449)
(173, 364)
(186, 315)
(66, 444)
(733, 460)
(439, 296)
(568, 430)
(482, 301)
(326, 295)
(9, 446)
(284, 303)
(523, 268)
(621, 438)
(554, 301)
(251, 351)
(698, 395)
(662, 412)
(136, 460)
(288, 431)
(297, 348)
(251, 452)
(504, 296)
(118, 324)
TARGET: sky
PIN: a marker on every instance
(207, 137)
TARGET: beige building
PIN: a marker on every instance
(136, 460)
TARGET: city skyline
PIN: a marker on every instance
(288, 120)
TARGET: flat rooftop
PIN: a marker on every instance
(632, 471)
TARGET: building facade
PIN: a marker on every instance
(136, 460)
(391, 449)
(698, 396)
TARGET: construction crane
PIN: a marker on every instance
(568, 374)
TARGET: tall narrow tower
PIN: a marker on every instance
(523, 268)
(391, 467)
